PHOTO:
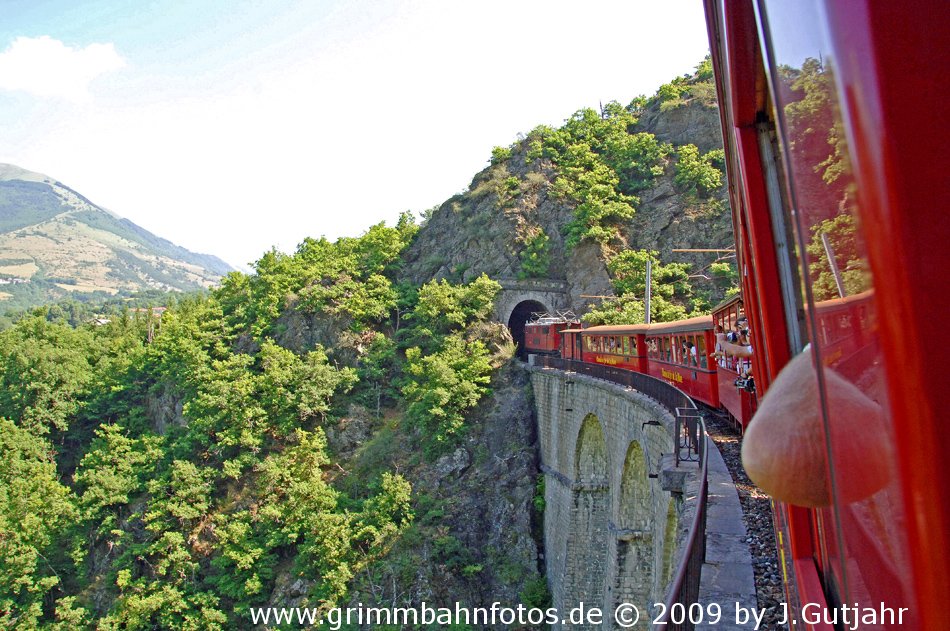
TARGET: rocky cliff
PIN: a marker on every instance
(486, 228)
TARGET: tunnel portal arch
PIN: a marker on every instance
(519, 315)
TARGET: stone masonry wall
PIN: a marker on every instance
(608, 524)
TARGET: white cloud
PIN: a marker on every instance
(47, 67)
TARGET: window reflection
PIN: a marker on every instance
(835, 272)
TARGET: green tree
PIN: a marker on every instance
(443, 386)
(442, 307)
(697, 174)
(842, 235)
(114, 469)
(669, 290)
(600, 163)
(35, 513)
(535, 255)
(45, 370)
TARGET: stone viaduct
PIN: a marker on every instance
(615, 515)
(617, 507)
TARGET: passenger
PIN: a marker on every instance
(718, 353)
(746, 344)
(691, 353)
(731, 349)
(733, 336)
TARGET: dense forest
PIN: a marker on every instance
(172, 470)
(111, 513)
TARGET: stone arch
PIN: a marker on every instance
(590, 454)
(634, 560)
(516, 321)
(635, 511)
(585, 575)
(670, 527)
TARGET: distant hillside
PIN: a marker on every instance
(67, 246)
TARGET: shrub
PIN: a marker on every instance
(536, 255)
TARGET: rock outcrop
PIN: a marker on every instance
(478, 535)
(483, 230)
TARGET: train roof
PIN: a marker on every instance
(727, 303)
(828, 305)
(699, 323)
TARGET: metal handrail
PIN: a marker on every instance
(684, 590)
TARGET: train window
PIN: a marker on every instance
(831, 260)
(701, 351)
(544, 330)
(626, 344)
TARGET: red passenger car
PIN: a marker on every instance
(676, 352)
(836, 150)
(736, 377)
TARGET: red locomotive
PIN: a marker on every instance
(542, 333)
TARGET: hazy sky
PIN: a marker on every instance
(233, 126)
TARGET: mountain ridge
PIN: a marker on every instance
(65, 245)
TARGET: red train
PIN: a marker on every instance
(677, 352)
(542, 333)
(681, 352)
(836, 156)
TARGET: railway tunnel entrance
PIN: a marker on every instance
(519, 315)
